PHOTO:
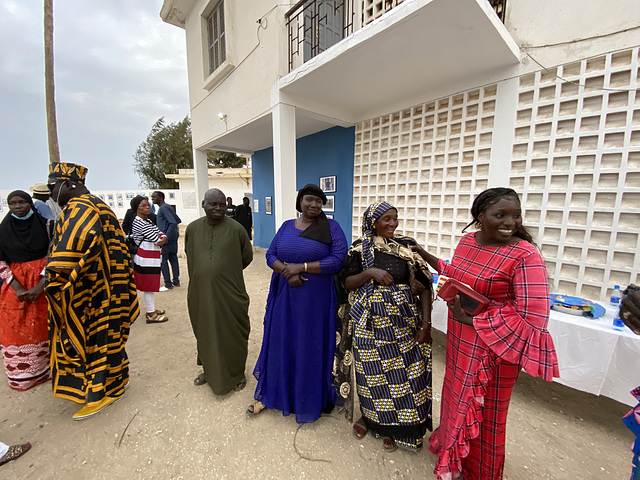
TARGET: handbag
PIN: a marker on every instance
(131, 245)
(471, 301)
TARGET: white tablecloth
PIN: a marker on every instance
(593, 356)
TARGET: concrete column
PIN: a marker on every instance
(503, 130)
(284, 163)
(201, 170)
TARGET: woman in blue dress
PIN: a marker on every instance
(296, 359)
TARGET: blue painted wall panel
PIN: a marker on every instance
(322, 154)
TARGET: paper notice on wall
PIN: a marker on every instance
(189, 200)
(256, 205)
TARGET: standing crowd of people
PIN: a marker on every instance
(341, 321)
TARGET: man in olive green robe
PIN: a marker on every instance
(218, 249)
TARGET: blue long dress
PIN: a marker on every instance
(296, 359)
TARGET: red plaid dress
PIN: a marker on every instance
(482, 365)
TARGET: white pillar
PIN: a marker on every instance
(284, 163)
(503, 127)
(201, 170)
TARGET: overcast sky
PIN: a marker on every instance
(118, 68)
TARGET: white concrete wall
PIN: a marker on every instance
(258, 53)
(534, 23)
(184, 201)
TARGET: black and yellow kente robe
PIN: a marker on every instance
(92, 302)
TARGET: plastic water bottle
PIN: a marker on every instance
(616, 296)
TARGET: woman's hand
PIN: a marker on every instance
(296, 280)
(424, 334)
(458, 313)
(381, 276)
(162, 241)
(19, 289)
(291, 269)
(32, 294)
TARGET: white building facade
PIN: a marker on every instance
(440, 99)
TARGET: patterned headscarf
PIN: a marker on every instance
(67, 171)
(371, 214)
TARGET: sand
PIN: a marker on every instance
(164, 427)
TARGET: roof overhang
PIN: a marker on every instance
(404, 58)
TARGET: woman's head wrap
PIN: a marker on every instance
(23, 240)
(319, 230)
(371, 214)
(22, 194)
(310, 189)
(135, 203)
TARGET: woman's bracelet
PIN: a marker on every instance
(305, 266)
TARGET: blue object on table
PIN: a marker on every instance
(576, 306)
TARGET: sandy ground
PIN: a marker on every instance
(166, 428)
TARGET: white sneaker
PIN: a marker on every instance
(164, 289)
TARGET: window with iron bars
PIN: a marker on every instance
(215, 37)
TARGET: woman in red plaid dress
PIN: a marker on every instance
(485, 353)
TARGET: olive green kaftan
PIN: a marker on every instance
(217, 299)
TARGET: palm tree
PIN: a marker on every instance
(49, 85)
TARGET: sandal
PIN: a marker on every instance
(360, 429)
(15, 451)
(160, 312)
(240, 386)
(389, 444)
(255, 408)
(154, 317)
(199, 380)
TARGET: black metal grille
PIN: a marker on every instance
(500, 7)
(315, 25)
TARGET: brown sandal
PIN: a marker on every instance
(154, 317)
(360, 430)
(15, 451)
(255, 408)
(389, 444)
(199, 380)
(160, 312)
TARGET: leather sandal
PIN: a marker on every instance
(240, 386)
(15, 451)
(160, 312)
(199, 380)
(389, 444)
(360, 429)
(255, 408)
(154, 317)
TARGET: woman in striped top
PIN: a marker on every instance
(146, 262)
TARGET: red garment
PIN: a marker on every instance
(482, 365)
(146, 267)
(24, 335)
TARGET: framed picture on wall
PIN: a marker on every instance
(267, 205)
(330, 206)
(328, 184)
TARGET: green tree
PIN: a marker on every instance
(169, 148)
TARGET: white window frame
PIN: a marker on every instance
(214, 74)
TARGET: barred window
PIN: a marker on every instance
(215, 37)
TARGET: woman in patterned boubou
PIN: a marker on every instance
(24, 337)
(146, 262)
(389, 315)
(485, 353)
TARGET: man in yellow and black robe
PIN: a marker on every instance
(91, 293)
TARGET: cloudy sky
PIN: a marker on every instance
(118, 68)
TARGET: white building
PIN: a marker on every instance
(426, 103)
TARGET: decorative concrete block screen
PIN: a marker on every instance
(576, 160)
(372, 9)
(429, 161)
